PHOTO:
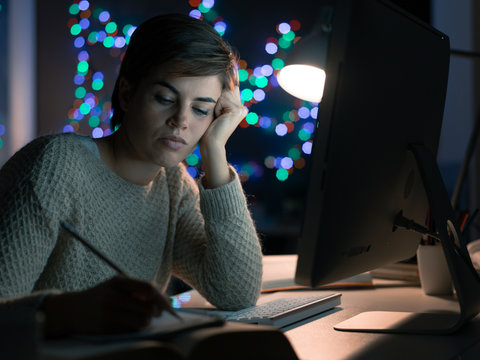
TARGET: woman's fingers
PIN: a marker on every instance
(145, 295)
(120, 304)
(229, 111)
(230, 104)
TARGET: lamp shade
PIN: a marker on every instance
(303, 81)
(303, 75)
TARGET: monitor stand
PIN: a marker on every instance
(464, 276)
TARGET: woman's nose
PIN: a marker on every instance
(178, 119)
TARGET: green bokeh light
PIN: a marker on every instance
(203, 9)
(85, 108)
(108, 42)
(282, 174)
(278, 63)
(82, 67)
(73, 10)
(242, 74)
(252, 118)
(97, 84)
(247, 95)
(93, 121)
(304, 135)
(92, 37)
(111, 27)
(289, 36)
(75, 29)
(80, 92)
(294, 153)
(126, 28)
(192, 159)
(261, 82)
(284, 44)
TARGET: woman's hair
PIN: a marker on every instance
(184, 45)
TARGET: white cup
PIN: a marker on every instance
(433, 270)
(474, 251)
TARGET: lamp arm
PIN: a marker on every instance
(464, 53)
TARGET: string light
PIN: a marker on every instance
(92, 26)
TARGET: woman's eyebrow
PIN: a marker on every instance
(175, 90)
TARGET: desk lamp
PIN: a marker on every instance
(303, 76)
(373, 156)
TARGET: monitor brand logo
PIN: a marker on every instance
(354, 251)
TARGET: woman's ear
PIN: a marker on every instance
(124, 92)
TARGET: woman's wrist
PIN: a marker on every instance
(217, 171)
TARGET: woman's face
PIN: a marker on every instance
(166, 115)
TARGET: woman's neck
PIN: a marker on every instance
(117, 153)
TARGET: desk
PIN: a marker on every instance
(315, 338)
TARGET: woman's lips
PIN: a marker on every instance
(173, 142)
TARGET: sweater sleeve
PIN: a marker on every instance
(217, 250)
(25, 230)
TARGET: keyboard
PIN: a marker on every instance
(278, 313)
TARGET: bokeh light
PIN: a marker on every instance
(259, 95)
(83, 5)
(246, 94)
(283, 28)
(94, 27)
(281, 129)
(104, 16)
(195, 13)
(307, 147)
(271, 48)
(220, 27)
(252, 118)
(282, 174)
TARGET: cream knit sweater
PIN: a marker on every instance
(204, 236)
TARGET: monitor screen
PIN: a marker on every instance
(385, 87)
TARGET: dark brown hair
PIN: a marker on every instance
(187, 46)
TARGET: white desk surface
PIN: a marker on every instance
(315, 338)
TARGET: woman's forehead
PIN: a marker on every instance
(210, 85)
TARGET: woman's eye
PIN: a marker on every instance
(164, 100)
(202, 112)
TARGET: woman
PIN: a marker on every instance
(130, 194)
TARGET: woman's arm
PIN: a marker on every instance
(229, 111)
(26, 235)
(29, 232)
(216, 249)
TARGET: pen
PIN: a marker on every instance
(101, 256)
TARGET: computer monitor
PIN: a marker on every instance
(373, 163)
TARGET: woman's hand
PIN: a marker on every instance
(229, 112)
(118, 305)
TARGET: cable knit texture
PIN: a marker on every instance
(205, 237)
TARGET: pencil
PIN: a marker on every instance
(103, 257)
